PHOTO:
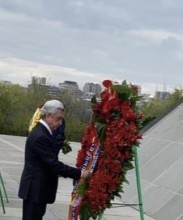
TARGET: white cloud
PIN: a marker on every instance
(156, 36)
(92, 40)
(21, 71)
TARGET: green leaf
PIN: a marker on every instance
(66, 148)
(124, 92)
(128, 166)
(85, 212)
(100, 127)
(116, 114)
(93, 101)
(100, 120)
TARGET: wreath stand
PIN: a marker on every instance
(3, 192)
(137, 172)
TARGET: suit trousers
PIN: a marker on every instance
(33, 211)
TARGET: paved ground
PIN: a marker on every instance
(11, 163)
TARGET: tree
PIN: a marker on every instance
(156, 108)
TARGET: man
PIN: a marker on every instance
(39, 181)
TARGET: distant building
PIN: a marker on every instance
(145, 98)
(38, 84)
(38, 80)
(41, 88)
(161, 95)
(91, 88)
(71, 87)
(89, 95)
(5, 82)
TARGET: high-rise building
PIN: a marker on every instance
(38, 80)
(71, 87)
(92, 88)
(38, 84)
(161, 95)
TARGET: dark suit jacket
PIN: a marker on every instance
(42, 168)
(59, 136)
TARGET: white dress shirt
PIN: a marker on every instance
(46, 125)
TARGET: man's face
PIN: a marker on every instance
(54, 121)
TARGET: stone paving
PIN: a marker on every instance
(11, 164)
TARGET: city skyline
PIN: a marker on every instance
(162, 87)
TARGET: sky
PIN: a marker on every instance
(140, 41)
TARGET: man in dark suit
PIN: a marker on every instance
(39, 180)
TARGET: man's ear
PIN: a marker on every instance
(48, 115)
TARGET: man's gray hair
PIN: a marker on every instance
(51, 106)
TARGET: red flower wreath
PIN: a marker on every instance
(116, 125)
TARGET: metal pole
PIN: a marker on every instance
(2, 202)
(101, 216)
(4, 189)
(138, 183)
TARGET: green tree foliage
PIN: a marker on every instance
(155, 108)
(17, 105)
(12, 99)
